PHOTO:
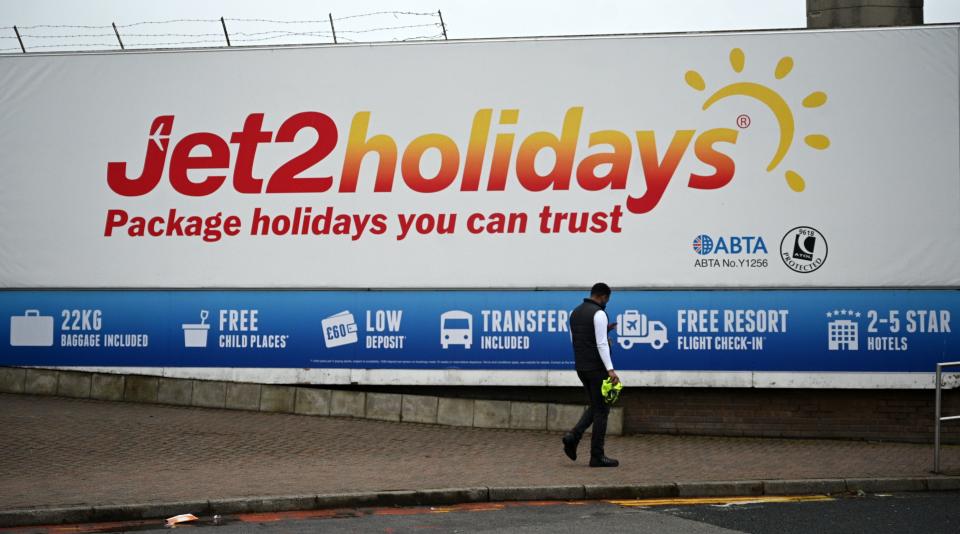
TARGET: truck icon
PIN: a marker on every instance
(456, 328)
(633, 327)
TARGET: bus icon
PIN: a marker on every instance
(456, 328)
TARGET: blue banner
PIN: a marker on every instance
(810, 331)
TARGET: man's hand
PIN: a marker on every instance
(613, 376)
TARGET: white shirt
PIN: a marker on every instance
(600, 329)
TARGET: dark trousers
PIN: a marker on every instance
(596, 414)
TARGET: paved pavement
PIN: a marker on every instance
(68, 452)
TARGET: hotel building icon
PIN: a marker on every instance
(843, 334)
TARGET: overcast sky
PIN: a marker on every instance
(464, 18)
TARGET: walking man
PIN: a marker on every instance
(591, 351)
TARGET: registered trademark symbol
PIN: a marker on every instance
(743, 121)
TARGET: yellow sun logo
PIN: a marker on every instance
(772, 99)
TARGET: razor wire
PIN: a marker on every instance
(361, 27)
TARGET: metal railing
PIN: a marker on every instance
(940, 419)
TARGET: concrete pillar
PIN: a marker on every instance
(177, 391)
(209, 394)
(455, 412)
(420, 409)
(384, 406)
(345, 403)
(40, 382)
(823, 14)
(243, 396)
(107, 387)
(278, 399)
(312, 401)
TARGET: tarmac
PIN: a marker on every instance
(77, 460)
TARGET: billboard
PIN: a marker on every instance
(738, 160)
(689, 332)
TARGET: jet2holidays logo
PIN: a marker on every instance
(462, 164)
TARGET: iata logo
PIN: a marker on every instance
(773, 100)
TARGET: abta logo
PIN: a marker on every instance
(731, 244)
(702, 244)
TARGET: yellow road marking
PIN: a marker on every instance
(721, 500)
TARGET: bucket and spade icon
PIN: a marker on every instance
(195, 335)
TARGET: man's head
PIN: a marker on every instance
(600, 292)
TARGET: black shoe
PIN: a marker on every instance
(570, 446)
(603, 461)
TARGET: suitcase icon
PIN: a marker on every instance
(31, 330)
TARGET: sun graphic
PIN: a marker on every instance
(772, 99)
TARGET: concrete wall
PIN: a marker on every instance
(543, 379)
(823, 14)
(883, 415)
(892, 415)
(411, 407)
(874, 414)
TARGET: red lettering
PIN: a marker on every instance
(285, 179)
(153, 163)
(231, 226)
(601, 170)
(155, 226)
(619, 161)
(449, 163)
(261, 223)
(657, 172)
(182, 161)
(174, 223)
(723, 163)
(472, 221)
(247, 141)
(115, 219)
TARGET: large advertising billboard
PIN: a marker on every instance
(419, 213)
(824, 159)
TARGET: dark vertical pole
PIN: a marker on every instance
(442, 25)
(16, 31)
(225, 34)
(332, 29)
(118, 35)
